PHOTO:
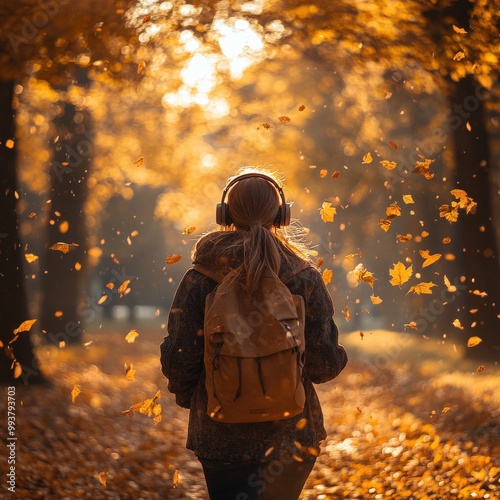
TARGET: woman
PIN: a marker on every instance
(263, 460)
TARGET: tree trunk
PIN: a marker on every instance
(12, 280)
(63, 272)
(476, 230)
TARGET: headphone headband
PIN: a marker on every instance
(223, 216)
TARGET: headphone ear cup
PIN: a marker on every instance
(284, 215)
(222, 216)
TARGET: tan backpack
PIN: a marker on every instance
(254, 350)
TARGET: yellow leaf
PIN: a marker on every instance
(423, 168)
(25, 326)
(461, 31)
(131, 336)
(429, 259)
(327, 212)
(424, 287)
(392, 211)
(451, 288)
(175, 478)
(367, 158)
(404, 237)
(375, 300)
(400, 274)
(173, 258)
(31, 257)
(347, 315)
(389, 165)
(327, 276)
(449, 213)
(364, 275)
(102, 300)
(63, 247)
(148, 407)
(446, 409)
(456, 323)
(123, 287)
(474, 341)
(74, 393)
(129, 371)
(103, 477)
(384, 224)
(188, 230)
(407, 198)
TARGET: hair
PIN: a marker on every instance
(253, 205)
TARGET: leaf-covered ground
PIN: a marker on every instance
(406, 419)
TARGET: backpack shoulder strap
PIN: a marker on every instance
(303, 265)
(217, 276)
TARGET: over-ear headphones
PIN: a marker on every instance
(223, 216)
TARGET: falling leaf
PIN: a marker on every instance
(123, 287)
(407, 198)
(363, 274)
(464, 201)
(301, 424)
(140, 67)
(429, 259)
(352, 255)
(403, 238)
(422, 288)
(446, 409)
(481, 368)
(131, 336)
(63, 247)
(375, 300)
(266, 126)
(481, 294)
(139, 162)
(18, 370)
(347, 315)
(474, 341)
(188, 229)
(173, 258)
(74, 393)
(302, 107)
(327, 276)
(412, 325)
(389, 165)
(451, 288)
(362, 335)
(459, 56)
(461, 31)
(31, 257)
(103, 477)
(323, 173)
(456, 323)
(102, 300)
(384, 224)
(468, 126)
(400, 274)
(367, 158)
(319, 262)
(446, 241)
(129, 371)
(148, 407)
(25, 326)
(78, 266)
(327, 212)
(284, 119)
(175, 478)
(146, 19)
(423, 168)
(392, 211)
(336, 174)
(393, 145)
(449, 213)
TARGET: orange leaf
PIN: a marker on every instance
(175, 478)
(123, 287)
(31, 257)
(367, 158)
(474, 341)
(424, 287)
(327, 276)
(429, 259)
(173, 258)
(25, 326)
(393, 210)
(335, 174)
(456, 323)
(327, 212)
(284, 119)
(188, 230)
(393, 145)
(423, 168)
(389, 165)
(139, 162)
(375, 300)
(63, 247)
(323, 173)
(404, 237)
(17, 369)
(407, 198)
(347, 315)
(74, 393)
(103, 476)
(363, 274)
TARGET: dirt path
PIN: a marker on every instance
(405, 420)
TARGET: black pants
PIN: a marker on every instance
(275, 480)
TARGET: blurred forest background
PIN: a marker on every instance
(121, 121)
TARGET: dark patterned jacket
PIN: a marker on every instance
(182, 361)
